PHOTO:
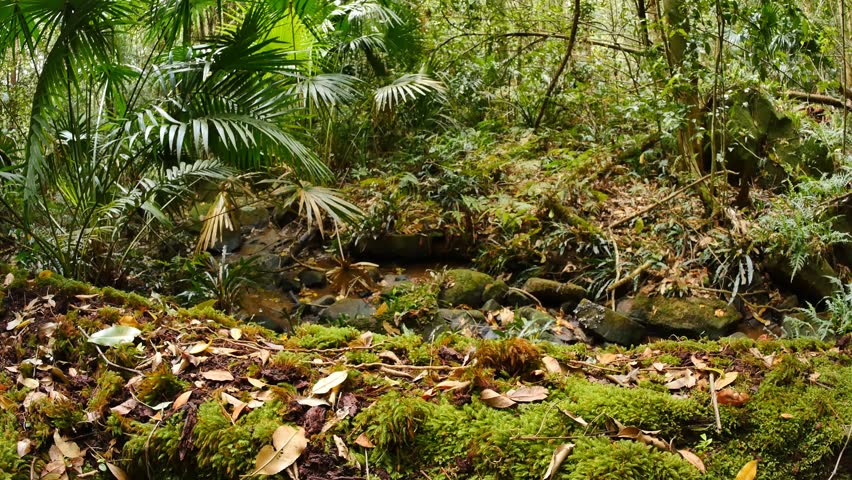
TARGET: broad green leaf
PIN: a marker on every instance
(115, 335)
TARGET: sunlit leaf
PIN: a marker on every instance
(115, 335)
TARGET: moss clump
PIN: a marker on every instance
(160, 385)
(13, 467)
(513, 357)
(127, 299)
(64, 285)
(601, 459)
(317, 336)
(393, 423)
(109, 385)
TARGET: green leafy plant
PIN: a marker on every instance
(835, 321)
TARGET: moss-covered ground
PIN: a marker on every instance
(418, 405)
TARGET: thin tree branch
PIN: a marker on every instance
(575, 23)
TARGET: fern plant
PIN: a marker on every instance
(836, 321)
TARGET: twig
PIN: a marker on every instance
(617, 266)
(845, 444)
(661, 202)
(715, 402)
(630, 276)
(409, 367)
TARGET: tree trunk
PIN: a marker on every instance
(572, 39)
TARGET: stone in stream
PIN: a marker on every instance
(691, 316)
(469, 287)
(551, 292)
(353, 311)
(491, 305)
(255, 216)
(312, 278)
(230, 242)
(609, 324)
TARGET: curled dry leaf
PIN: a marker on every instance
(236, 333)
(551, 364)
(24, 446)
(125, 407)
(625, 380)
(68, 448)
(748, 472)
(10, 277)
(218, 375)
(256, 383)
(698, 363)
(558, 457)
(768, 360)
(576, 418)
(117, 471)
(343, 451)
(288, 443)
(731, 397)
(450, 385)
(527, 394)
(643, 436)
(182, 399)
(685, 381)
(494, 399)
(388, 355)
(364, 441)
(327, 384)
(693, 459)
(728, 379)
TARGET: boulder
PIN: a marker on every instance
(691, 316)
(608, 324)
(465, 287)
(495, 291)
(491, 305)
(811, 282)
(354, 312)
(312, 278)
(230, 242)
(551, 292)
(253, 216)
(538, 318)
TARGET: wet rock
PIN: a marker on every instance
(349, 309)
(317, 306)
(288, 282)
(312, 278)
(269, 262)
(690, 316)
(465, 287)
(491, 305)
(537, 317)
(230, 242)
(811, 282)
(458, 318)
(255, 216)
(516, 298)
(551, 292)
(609, 324)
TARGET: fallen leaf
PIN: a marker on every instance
(659, 366)
(126, 407)
(527, 394)
(450, 385)
(117, 472)
(551, 364)
(787, 416)
(731, 397)
(388, 355)
(313, 402)
(768, 360)
(256, 383)
(343, 450)
(10, 277)
(288, 443)
(625, 380)
(24, 446)
(325, 385)
(364, 441)
(182, 399)
(68, 448)
(698, 363)
(642, 436)
(726, 380)
(115, 335)
(685, 381)
(557, 458)
(719, 312)
(693, 459)
(576, 418)
(218, 375)
(607, 358)
(494, 399)
(236, 333)
(748, 472)
(198, 348)
(366, 338)
(30, 383)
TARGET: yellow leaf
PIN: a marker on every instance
(726, 380)
(551, 364)
(325, 385)
(198, 348)
(748, 472)
(693, 459)
(182, 399)
(236, 333)
(218, 375)
(288, 443)
(382, 309)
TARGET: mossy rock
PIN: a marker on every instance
(691, 316)
(465, 287)
(609, 324)
(811, 282)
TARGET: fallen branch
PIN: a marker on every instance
(661, 202)
(630, 276)
(819, 99)
(715, 401)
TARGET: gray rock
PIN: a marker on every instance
(551, 292)
(457, 318)
(491, 305)
(230, 242)
(609, 324)
(312, 278)
(536, 316)
(253, 216)
(515, 298)
(288, 282)
(391, 282)
(464, 287)
(691, 316)
(317, 306)
(353, 311)
(496, 290)
(811, 282)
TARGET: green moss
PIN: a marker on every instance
(601, 459)
(63, 285)
(109, 385)
(393, 424)
(361, 356)
(317, 336)
(159, 386)
(13, 467)
(117, 297)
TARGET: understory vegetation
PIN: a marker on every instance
(451, 201)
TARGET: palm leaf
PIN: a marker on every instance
(408, 87)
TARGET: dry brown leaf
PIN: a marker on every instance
(327, 384)
(366, 338)
(698, 363)
(343, 451)
(551, 364)
(364, 441)
(768, 360)
(117, 472)
(182, 399)
(625, 380)
(256, 383)
(24, 447)
(693, 459)
(198, 348)
(388, 355)
(642, 436)
(576, 418)
(236, 333)
(494, 399)
(68, 448)
(288, 443)
(607, 358)
(659, 366)
(748, 472)
(726, 380)
(685, 381)
(126, 407)
(218, 375)
(729, 396)
(558, 457)
(450, 385)
(787, 416)
(10, 277)
(527, 394)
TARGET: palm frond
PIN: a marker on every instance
(325, 90)
(408, 87)
(314, 201)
